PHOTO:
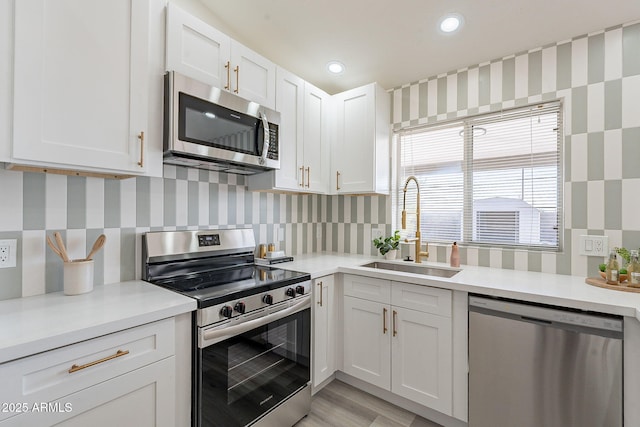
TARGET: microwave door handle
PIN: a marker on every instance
(265, 146)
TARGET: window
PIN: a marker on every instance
(494, 179)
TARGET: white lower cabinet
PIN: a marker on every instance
(324, 360)
(124, 378)
(398, 336)
(367, 343)
(421, 368)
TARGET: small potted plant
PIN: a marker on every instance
(388, 246)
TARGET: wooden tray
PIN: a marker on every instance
(601, 283)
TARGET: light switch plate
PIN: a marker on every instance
(594, 245)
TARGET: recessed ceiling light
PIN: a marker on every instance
(335, 67)
(450, 23)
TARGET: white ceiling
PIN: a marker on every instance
(397, 42)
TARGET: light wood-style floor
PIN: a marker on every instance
(341, 405)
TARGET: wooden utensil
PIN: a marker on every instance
(99, 243)
(61, 247)
(54, 248)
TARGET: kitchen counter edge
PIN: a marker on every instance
(44, 322)
(543, 288)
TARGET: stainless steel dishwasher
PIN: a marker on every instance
(537, 366)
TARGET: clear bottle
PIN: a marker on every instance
(633, 270)
(613, 270)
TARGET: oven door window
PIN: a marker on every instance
(243, 377)
(202, 122)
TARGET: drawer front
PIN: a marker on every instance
(46, 376)
(421, 298)
(367, 288)
(143, 397)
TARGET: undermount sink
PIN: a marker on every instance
(413, 268)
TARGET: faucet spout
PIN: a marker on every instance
(418, 243)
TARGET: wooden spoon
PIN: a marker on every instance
(61, 247)
(99, 243)
(54, 248)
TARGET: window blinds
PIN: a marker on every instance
(493, 179)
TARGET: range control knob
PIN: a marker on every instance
(267, 299)
(240, 307)
(290, 292)
(226, 311)
(300, 289)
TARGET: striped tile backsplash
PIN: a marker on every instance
(82, 208)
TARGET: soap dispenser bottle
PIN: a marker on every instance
(454, 260)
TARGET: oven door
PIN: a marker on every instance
(242, 377)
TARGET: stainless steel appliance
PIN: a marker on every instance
(209, 128)
(251, 332)
(534, 366)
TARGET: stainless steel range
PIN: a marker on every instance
(251, 332)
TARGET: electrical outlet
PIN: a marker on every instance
(377, 232)
(594, 245)
(8, 249)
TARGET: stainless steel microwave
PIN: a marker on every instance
(209, 128)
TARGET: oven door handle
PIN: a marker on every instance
(213, 336)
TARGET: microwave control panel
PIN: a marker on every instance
(273, 142)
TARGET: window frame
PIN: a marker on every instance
(467, 123)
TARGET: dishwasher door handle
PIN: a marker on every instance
(534, 320)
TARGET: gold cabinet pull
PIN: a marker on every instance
(228, 67)
(384, 320)
(141, 138)
(337, 180)
(237, 71)
(395, 316)
(302, 175)
(76, 368)
(320, 289)
(308, 176)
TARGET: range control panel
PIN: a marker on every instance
(209, 240)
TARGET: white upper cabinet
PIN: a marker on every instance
(316, 139)
(198, 50)
(6, 78)
(304, 138)
(255, 76)
(361, 150)
(81, 84)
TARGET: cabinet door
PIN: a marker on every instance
(253, 76)
(80, 86)
(367, 342)
(142, 398)
(324, 364)
(421, 350)
(290, 104)
(355, 143)
(196, 49)
(6, 78)
(316, 138)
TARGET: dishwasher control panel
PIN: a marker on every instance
(545, 314)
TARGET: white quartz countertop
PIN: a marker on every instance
(39, 323)
(544, 288)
